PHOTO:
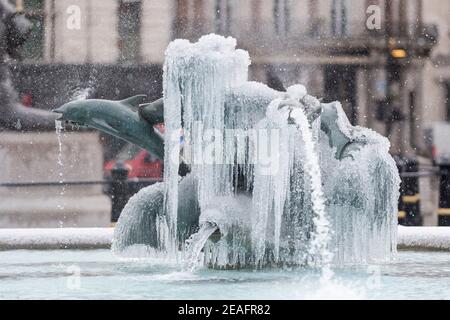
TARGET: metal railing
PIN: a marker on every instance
(74, 183)
(120, 189)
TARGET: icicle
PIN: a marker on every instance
(197, 78)
(272, 189)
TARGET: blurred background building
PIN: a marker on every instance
(387, 61)
(393, 77)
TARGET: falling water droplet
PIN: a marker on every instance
(59, 129)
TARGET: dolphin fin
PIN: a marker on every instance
(134, 102)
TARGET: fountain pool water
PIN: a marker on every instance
(54, 275)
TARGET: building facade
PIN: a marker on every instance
(387, 61)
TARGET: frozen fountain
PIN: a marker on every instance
(274, 178)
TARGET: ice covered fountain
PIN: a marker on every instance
(269, 178)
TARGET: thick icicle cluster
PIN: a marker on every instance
(286, 222)
(289, 220)
(362, 197)
(197, 78)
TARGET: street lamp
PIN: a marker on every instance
(399, 53)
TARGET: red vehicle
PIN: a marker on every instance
(139, 162)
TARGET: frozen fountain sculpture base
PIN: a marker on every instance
(275, 178)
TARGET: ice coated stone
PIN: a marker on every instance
(292, 182)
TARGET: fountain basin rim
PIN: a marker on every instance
(409, 238)
(56, 238)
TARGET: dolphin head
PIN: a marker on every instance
(335, 124)
(76, 112)
(333, 118)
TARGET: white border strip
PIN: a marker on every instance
(414, 238)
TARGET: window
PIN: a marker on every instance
(339, 18)
(189, 20)
(181, 22)
(130, 30)
(281, 16)
(33, 48)
(223, 17)
(313, 23)
(448, 101)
